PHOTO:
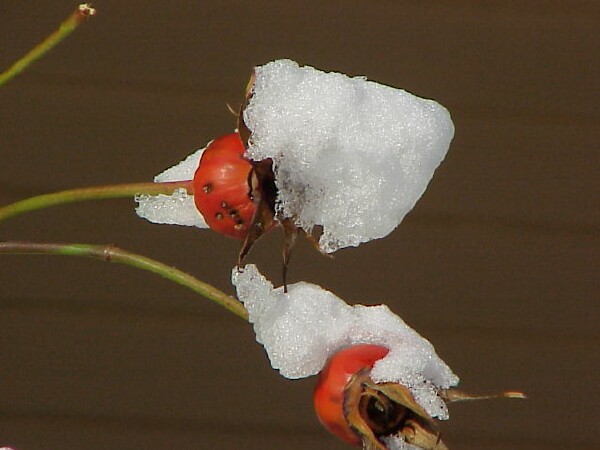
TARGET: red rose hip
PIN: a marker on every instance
(328, 396)
(222, 191)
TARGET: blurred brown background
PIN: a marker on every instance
(497, 264)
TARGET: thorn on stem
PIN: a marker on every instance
(107, 252)
(231, 110)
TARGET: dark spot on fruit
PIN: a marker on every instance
(224, 205)
(207, 188)
(239, 221)
(219, 216)
(233, 212)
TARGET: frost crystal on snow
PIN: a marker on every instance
(300, 330)
(349, 154)
(178, 208)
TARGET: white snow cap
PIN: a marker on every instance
(349, 154)
(178, 208)
(300, 330)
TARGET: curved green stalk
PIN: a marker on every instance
(114, 254)
(81, 13)
(91, 193)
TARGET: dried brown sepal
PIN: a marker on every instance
(401, 395)
(455, 395)
(419, 428)
(375, 410)
(262, 186)
(352, 413)
(263, 193)
(242, 128)
(419, 434)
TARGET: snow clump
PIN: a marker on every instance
(300, 330)
(350, 155)
(178, 208)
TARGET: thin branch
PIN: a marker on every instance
(114, 254)
(91, 193)
(69, 25)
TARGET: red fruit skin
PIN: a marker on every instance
(328, 396)
(221, 187)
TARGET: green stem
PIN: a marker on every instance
(81, 13)
(91, 193)
(114, 254)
